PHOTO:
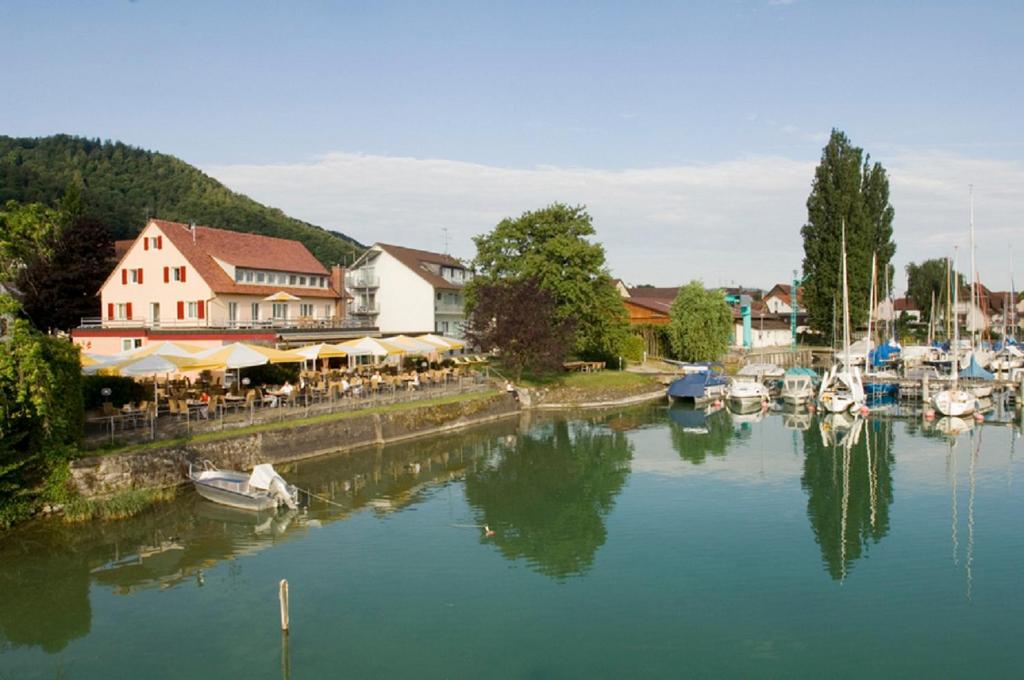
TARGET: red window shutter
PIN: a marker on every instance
(183, 275)
(201, 309)
(110, 310)
(145, 243)
(159, 242)
(128, 311)
(181, 309)
(124, 277)
(140, 276)
(167, 274)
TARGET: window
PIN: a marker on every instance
(177, 273)
(248, 277)
(292, 279)
(191, 310)
(328, 311)
(128, 344)
(135, 275)
(306, 310)
(255, 310)
(271, 277)
(260, 277)
(239, 276)
(232, 312)
(302, 280)
(323, 282)
(280, 311)
(121, 311)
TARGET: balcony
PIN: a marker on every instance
(456, 308)
(260, 324)
(362, 281)
(367, 309)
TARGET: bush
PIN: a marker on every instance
(122, 390)
(633, 348)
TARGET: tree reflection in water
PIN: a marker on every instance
(697, 433)
(849, 490)
(546, 495)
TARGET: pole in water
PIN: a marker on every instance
(282, 596)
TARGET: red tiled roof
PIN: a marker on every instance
(654, 293)
(784, 291)
(416, 259)
(655, 304)
(243, 250)
(905, 304)
(121, 247)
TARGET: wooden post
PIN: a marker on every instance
(924, 389)
(282, 596)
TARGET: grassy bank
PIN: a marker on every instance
(585, 388)
(290, 423)
(119, 506)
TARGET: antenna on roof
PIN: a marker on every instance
(444, 238)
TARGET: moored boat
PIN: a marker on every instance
(798, 385)
(700, 387)
(262, 489)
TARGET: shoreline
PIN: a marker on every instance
(109, 476)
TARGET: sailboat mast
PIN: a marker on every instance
(956, 328)
(974, 275)
(846, 305)
(871, 310)
(949, 331)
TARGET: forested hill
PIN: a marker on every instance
(122, 185)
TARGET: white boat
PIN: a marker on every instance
(798, 386)
(747, 390)
(262, 489)
(1007, 359)
(954, 402)
(842, 388)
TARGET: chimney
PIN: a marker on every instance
(192, 228)
(338, 286)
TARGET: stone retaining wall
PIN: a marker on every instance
(98, 476)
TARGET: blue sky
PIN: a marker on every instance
(607, 95)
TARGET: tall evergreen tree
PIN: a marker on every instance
(847, 189)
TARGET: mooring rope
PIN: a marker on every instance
(320, 498)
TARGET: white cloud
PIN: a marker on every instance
(736, 220)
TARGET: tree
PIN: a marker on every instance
(700, 323)
(847, 190)
(518, 319)
(41, 415)
(550, 246)
(926, 279)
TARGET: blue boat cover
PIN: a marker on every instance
(800, 370)
(692, 386)
(975, 371)
(885, 353)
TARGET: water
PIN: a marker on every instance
(644, 542)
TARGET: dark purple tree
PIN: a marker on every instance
(517, 319)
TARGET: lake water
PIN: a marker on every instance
(642, 542)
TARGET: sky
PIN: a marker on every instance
(690, 130)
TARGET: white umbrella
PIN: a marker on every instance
(413, 346)
(368, 346)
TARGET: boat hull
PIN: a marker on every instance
(954, 403)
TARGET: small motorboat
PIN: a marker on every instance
(262, 489)
(747, 390)
(798, 386)
(700, 387)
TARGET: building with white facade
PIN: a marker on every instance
(185, 282)
(404, 290)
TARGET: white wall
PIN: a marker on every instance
(769, 337)
(153, 288)
(405, 299)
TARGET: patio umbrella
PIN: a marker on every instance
(412, 345)
(240, 355)
(322, 350)
(281, 296)
(368, 346)
(165, 349)
(153, 365)
(445, 342)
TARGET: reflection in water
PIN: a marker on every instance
(848, 480)
(697, 432)
(547, 493)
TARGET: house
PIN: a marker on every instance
(185, 282)
(649, 305)
(892, 310)
(404, 290)
(767, 329)
(780, 299)
(1007, 309)
(976, 312)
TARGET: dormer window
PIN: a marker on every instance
(302, 280)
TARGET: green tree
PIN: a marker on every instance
(517, 318)
(847, 190)
(926, 279)
(41, 415)
(700, 323)
(551, 247)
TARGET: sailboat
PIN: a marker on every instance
(881, 382)
(842, 388)
(954, 402)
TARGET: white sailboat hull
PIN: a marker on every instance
(954, 403)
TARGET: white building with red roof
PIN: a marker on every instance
(404, 290)
(185, 282)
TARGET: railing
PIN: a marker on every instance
(362, 281)
(448, 308)
(365, 309)
(259, 324)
